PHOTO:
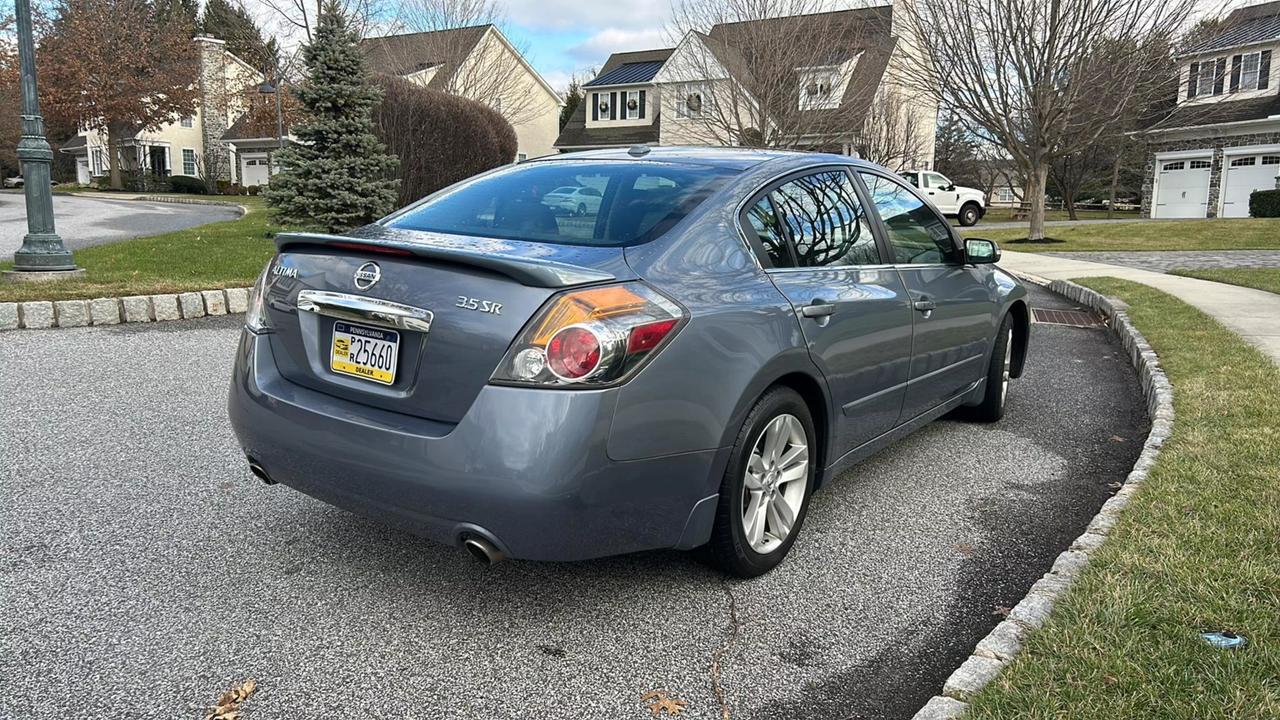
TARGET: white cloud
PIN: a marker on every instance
(597, 48)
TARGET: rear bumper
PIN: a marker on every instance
(526, 468)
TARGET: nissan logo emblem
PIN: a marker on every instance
(367, 275)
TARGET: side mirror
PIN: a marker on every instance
(950, 188)
(980, 252)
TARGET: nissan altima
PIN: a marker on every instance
(682, 365)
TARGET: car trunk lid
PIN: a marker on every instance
(446, 307)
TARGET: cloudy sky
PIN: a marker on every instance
(562, 37)
(566, 37)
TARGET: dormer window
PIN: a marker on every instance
(818, 88)
(1250, 71)
(1206, 78)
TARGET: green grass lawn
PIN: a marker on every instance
(1198, 548)
(223, 254)
(1260, 278)
(1248, 234)
(1004, 214)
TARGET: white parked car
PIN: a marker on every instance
(573, 200)
(13, 182)
(966, 204)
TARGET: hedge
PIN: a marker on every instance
(1264, 203)
(439, 138)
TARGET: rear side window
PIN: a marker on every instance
(572, 203)
(917, 235)
(823, 220)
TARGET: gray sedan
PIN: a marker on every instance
(728, 331)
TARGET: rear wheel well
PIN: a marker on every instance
(1021, 334)
(811, 392)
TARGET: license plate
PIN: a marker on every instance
(365, 352)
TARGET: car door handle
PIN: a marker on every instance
(925, 306)
(817, 309)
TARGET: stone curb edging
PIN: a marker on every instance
(42, 314)
(997, 649)
(192, 201)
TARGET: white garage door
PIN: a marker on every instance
(253, 170)
(1184, 188)
(1244, 174)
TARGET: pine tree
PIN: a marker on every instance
(233, 24)
(572, 99)
(337, 175)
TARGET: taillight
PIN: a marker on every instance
(255, 317)
(592, 337)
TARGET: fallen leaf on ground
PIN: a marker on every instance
(228, 705)
(1002, 611)
(659, 702)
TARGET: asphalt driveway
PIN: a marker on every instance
(144, 571)
(84, 221)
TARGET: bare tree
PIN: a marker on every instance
(296, 19)
(774, 73)
(892, 134)
(472, 63)
(1044, 78)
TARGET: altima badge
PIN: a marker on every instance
(367, 275)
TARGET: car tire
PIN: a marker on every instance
(782, 411)
(582, 209)
(991, 409)
(970, 214)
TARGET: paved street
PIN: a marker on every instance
(1164, 261)
(83, 221)
(144, 571)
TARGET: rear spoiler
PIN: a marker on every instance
(534, 272)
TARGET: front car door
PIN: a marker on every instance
(948, 201)
(817, 243)
(952, 302)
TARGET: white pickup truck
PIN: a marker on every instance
(964, 203)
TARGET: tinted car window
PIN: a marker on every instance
(631, 202)
(917, 235)
(764, 224)
(828, 225)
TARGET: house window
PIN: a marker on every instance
(188, 161)
(818, 89)
(1206, 78)
(188, 121)
(1271, 159)
(1200, 164)
(692, 101)
(633, 105)
(99, 162)
(1178, 165)
(1244, 161)
(521, 157)
(1004, 195)
(1249, 66)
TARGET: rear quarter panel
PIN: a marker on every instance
(742, 336)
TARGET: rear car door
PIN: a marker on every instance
(952, 302)
(817, 242)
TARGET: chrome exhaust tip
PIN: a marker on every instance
(260, 473)
(483, 550)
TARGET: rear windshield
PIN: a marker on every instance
(571, 203)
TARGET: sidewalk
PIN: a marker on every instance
(1252, 314)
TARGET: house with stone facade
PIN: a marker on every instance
(193, 146)
(838, 84)
(1221, 141)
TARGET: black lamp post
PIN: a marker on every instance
(42, 255)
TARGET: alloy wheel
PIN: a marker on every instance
(773, 489)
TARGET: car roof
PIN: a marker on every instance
(729, 158)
